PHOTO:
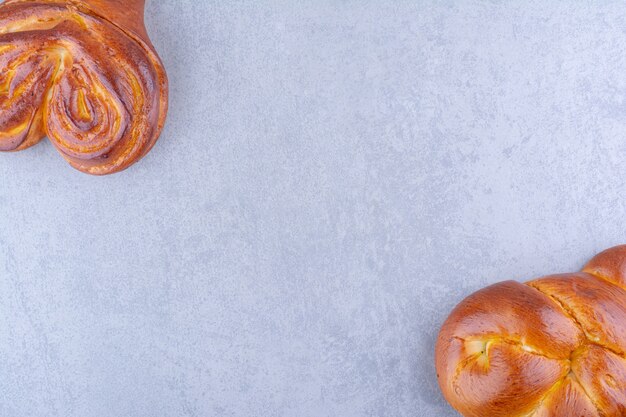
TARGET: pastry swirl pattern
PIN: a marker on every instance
(91, 83)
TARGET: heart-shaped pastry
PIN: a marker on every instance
(84, 74)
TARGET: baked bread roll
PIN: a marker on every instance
(553, 347)
(84, 74)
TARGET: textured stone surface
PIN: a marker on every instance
(333, 178)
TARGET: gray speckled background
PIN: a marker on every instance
(333, 178)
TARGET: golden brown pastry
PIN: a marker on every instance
(553, 347)
(83, 73)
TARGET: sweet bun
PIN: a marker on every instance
(552, 347)
(83, 73)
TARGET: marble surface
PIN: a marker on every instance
(333, 178)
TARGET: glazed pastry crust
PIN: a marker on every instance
(84, 74)
(553, 347)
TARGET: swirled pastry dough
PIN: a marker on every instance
(84, 74)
